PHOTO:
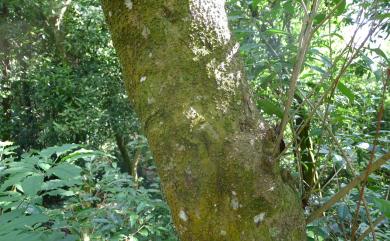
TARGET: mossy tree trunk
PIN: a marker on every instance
(213, 150)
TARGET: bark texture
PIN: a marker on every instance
(212, 149)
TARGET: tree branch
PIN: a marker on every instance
(371, 229)
(344, 191)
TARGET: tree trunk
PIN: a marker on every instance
(212, 149)
(127, 162)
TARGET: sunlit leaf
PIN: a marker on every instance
(346, 91)
(32, 184)
(270, 108)
(383, 205)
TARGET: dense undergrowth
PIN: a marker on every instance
(71, 193)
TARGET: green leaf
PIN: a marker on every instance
(14, 179)
(383, 16)
(65, 171)
(346, 91)
(343, 212)
(380, 52)
(58, 150)
(341, 6)
(270, 108)
(383, 205)
(32, 184)
(318, 18)
(132, 238)
(22, 222)
(61, 192)
(144, 232)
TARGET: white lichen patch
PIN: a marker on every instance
(223, 106)
(143, 78)
(234, 203)
(252, 142)
(195, 118)
(150, 100)
(145, 32)
(271, 189)
(180, 147)
(223, 233)
(129, 4)
(199, 52)
(183, 216)
(232, 52)
(212, 16)
(258, 218)
(227, 81)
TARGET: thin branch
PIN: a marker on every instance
(331, 90)
(62, 13)
(323, 21)
(371, 229)
(345, 190)
(378, 128)
(303, 46)
(369, 219)
(304, 7)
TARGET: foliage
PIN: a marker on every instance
(61, 83)
(64, 80)
(340, 124)
(70, 193)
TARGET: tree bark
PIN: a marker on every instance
(212, 149)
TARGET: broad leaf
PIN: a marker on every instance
(32, 184)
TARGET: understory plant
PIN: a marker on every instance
(71, 193)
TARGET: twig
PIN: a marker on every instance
(371, 229)
(304, 42)
(369, 218)
(62, 13)
(372, 156)
(344, 191)
(331, 90)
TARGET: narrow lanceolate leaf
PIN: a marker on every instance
(346, 91)
(270, 108)
(380, 52)
(32, 184)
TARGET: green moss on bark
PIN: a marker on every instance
(213, 151)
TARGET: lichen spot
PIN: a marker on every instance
(258, 218)
(234, 203)
(195, 118)
(151, 100)
(180, 147)
(223, 233)
(183, 216)
(145, 32)
(143, 78)
(252, 142)
(129, 4)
